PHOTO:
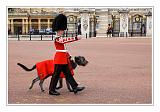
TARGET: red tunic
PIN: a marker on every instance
(61, 55)
(46, 68)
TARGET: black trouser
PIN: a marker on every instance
(57, 70)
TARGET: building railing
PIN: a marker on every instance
(32, 37)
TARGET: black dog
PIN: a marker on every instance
(78, 60)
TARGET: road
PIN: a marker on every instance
(119, 72)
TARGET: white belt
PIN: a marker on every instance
(61, 50)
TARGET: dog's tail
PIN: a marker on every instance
(25, 68)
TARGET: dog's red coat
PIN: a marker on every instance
(46, 68)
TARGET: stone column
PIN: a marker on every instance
(110, 19)
(23, 26)
(26, 25)
(48, 23)
(149, 25)
(30, 24)
(92, 24)
(39, 24)
(12, 27)
(102, 23)
(123, 23)
(9, 24)
(85, 24)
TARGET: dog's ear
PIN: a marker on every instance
(75, 57)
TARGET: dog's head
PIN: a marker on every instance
(80, 60)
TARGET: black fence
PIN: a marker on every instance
(32, 37)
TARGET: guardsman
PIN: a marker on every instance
(61, 58)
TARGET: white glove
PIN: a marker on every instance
(79, 37)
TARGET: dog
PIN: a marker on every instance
(48, 71)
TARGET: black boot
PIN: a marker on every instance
(54, 93)
(75, 90)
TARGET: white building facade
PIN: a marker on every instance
(125, 22)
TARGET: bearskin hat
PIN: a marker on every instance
(59, 23)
